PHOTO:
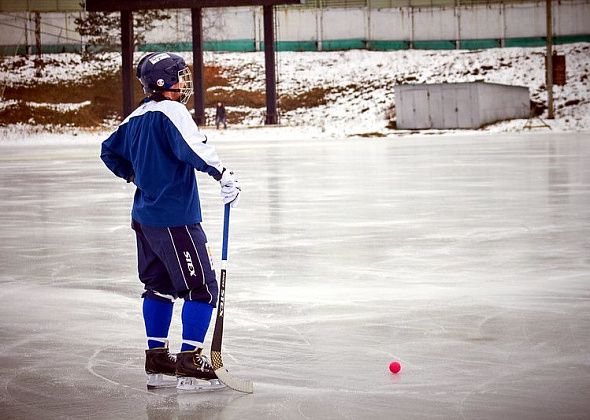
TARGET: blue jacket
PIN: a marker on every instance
(159, 146)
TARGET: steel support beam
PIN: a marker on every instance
(269, 63)
(198, 67)
(549, 60)
(127, 60)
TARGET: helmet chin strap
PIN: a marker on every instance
(158, 94)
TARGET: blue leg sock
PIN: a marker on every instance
(157, 315)
(196, 317)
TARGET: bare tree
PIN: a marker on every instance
(102, 29)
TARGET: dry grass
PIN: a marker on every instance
(310, 99)
(101, 91)
(235, 97)
(104, 94)
(84, 117)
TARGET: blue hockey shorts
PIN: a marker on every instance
(175, 263)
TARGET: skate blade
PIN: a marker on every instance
(194, 384)
(159, 380)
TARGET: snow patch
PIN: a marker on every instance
(361, 83)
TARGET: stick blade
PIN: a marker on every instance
(237, 384)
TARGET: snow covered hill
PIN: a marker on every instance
(356, 88)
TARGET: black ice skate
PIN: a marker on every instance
(194, 372)
(160, 368)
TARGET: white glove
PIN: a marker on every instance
(230, 188)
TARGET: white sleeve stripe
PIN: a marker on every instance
(185, 126)
(189, 131)
(205, 152)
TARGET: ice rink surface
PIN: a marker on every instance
(465, 257)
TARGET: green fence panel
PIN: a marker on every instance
(343, 44)
(478, 44)
(12, 49)
(234, 45)
(297, 46)
(525, 42)
(434, 45)
(162, 47)
(45, 49)
(388, 45)
(249, 45)
(568, 39)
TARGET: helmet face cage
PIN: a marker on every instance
(185, 84)
(159, 72)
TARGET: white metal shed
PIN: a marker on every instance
(459, 105)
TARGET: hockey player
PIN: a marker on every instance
(158, 147)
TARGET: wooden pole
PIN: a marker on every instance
(127, 60)
(269, 63)
(549, 61)
(198, 66)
